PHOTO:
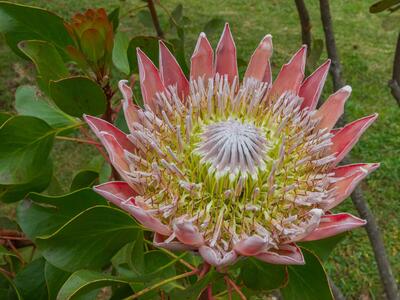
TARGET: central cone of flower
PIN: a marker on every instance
(233, 146)
(229, 168)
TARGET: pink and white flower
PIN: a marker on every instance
(228, 168)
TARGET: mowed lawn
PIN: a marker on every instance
(366, 51)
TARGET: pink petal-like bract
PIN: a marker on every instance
(312, 87)
(171, 73)
(228, 168)
(225, 57)
(259, 66)
(331, 225)
(202, 61)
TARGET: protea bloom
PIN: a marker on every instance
(230, 169)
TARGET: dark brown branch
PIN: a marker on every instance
(305, 22)
(394, 83)
(336, 69)
(154, 18)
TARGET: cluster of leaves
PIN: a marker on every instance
(71, 246)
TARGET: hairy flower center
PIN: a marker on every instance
(233, 146)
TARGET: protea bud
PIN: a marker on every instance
(230, 169)
(93, 37)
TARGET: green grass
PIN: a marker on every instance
(366, 51)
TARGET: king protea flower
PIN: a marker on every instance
(228, 168)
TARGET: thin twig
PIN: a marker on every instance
(305, 23)
(159, 284)
(77, 140)
(235, 287)
(394, 83)
(336, 69)
(154, 18)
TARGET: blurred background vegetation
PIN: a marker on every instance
(366, 48)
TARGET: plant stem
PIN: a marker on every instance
(77, 140)
(336, 69)
(154, 18)
(235, 287)
(394, 83)
(161, 283)
(305, 23)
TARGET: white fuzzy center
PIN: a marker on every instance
(233, 146)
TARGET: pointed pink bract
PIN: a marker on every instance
(349, 135)
(312, 87)
(291, 74)
(333, 108)
(225, 59)
(334, 224)
(201, 63)
(150, 81)
(171, 73)
(259, 67)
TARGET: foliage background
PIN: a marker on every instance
(366, 49)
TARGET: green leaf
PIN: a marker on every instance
(25, 144)
(27, 103)
(55, 278)
(84, 178)
(323, 248)
(144, 17)
(84, 281)
(113, 17)
(307, 282)
(382, 5)
(120, 52)
(5, 253)
(4, 116)
(160, 266)
(215, 25)
(194, 290)
(43, 214)
(176, 14)
(48, 62)
(12, 292)
(30, 281)
(258, 275)
(78, 95)
(88, 240)
(20, 22)
(149, 45)
(132, 255)
(38, 183)
(120, 122)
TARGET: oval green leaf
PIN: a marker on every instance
(84, 281)
(78, 95)
(21, 22)
(258, 275)
(25, 146)
(307, 282)
(89, 240)
(28, 103)
(48, 62)
(42, 214)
